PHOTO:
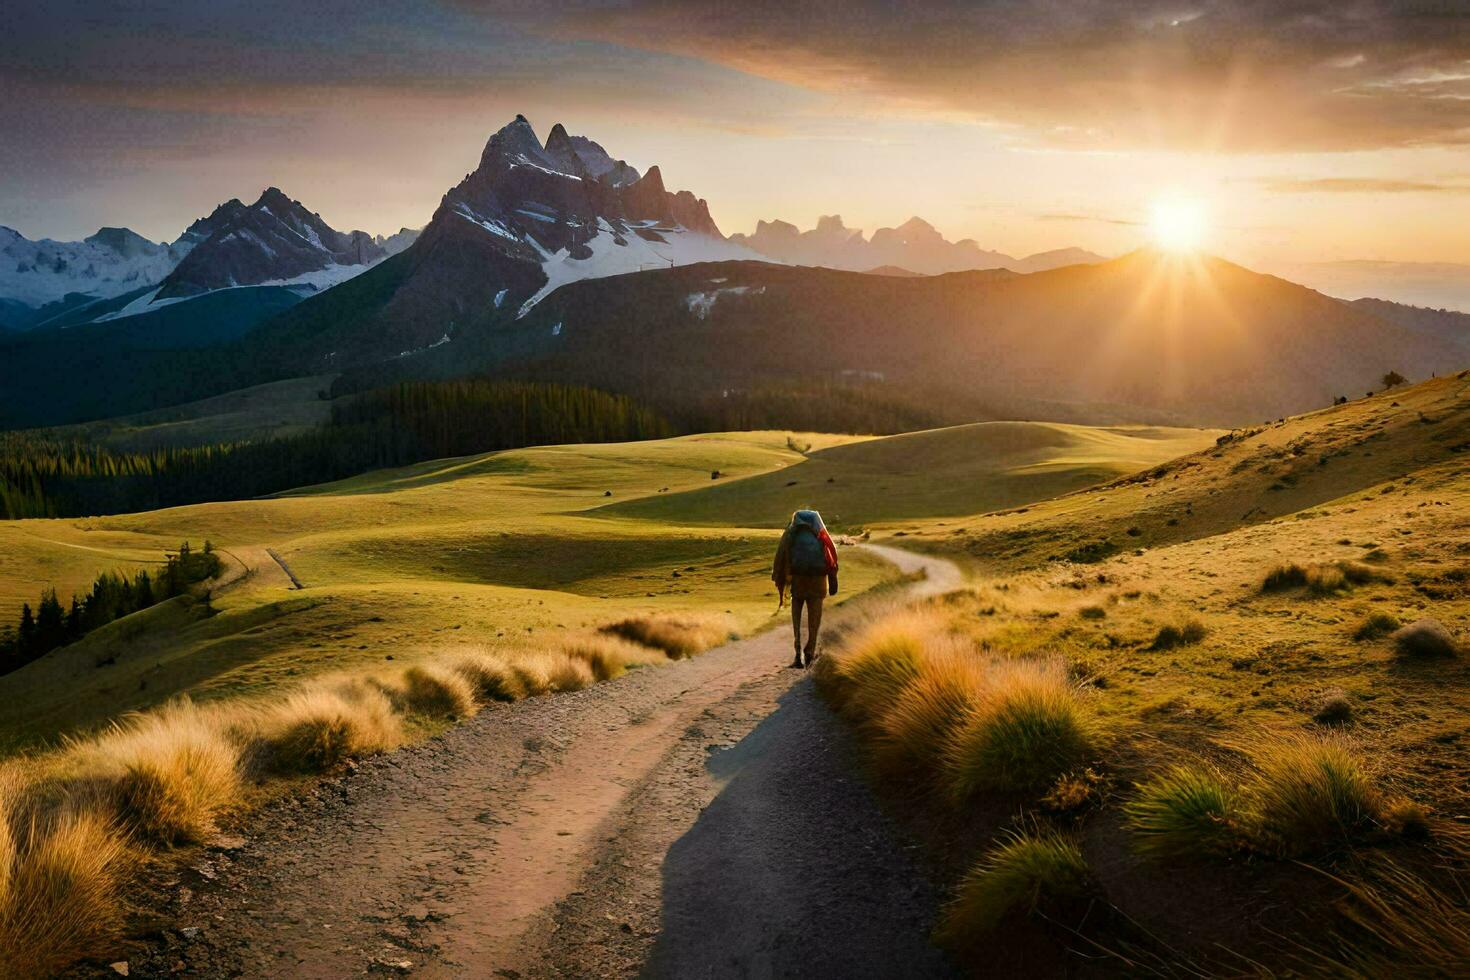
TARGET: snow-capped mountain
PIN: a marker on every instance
(914, 245)
(531, 217)
(117, 273)
(275, 240)
(573, 210)
(109, 263)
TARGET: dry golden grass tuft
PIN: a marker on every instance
(911, 736)
(1321, 579)
(609, 655)
(880, 658)
(1424, 639)
(678, 636)
(551, 671)
(321, 726)
(1333, 707)
(1182, 634)
(61, 872)
(167, 774)
(73, 828)
(931, 702)
(1312, 794)
(436, 692)
(489, 676)
(1376, 625)
(1031, 727)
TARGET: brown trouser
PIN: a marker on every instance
(808, 591)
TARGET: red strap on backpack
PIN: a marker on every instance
(829, 549)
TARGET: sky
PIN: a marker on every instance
(1304, 131)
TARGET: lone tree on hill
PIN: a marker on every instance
(1393, 379)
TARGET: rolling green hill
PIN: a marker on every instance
(961, 470)
(498, 549)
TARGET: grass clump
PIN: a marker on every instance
(609, 656)
(167, 773)
(1172, 635)
(1377, 625)
(437, 692)
(1030, 728)
(61, 876)
(1424, 639)
(551, 671)
(881, 659)
(489, 676)
(679, 637)
(1185, 811)
(319, 727)
(911, 736)
(1333, 708)
(1313, 794)
(1092, 612)
(1030, 874)
(1320, 579)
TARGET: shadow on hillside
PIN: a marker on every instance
(793, 870)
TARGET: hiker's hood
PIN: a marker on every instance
(810, 518)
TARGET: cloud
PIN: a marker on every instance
(1358, 185)
(1228, 75)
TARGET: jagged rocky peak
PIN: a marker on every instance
(917, 229)
(276, 239)
(831, 226)
(586, 158)
(777, 227)
(514, 143)
(125, 242)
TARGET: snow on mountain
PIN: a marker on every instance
(109, 263)
(914, 245)
(572, 209)
(274, 240)
(529, 219)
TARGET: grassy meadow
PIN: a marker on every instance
(1210, 717)
(492, 551)
(352, 616)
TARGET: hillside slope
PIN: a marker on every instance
(1166, 338)
(1252, 476)
(961, 470)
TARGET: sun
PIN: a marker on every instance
(1178, 224)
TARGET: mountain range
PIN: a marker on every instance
(915, 246)
(555, 260)
(530, 218)
(118, 273)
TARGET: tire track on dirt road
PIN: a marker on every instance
(700, 819)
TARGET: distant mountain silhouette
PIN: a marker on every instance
(914, 245)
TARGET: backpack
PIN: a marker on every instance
(808, 555)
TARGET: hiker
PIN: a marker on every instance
(806, 560)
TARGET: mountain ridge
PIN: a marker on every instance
(915, 245)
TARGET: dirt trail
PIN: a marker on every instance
(702, 819)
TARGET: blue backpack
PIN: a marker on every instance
(808, 557)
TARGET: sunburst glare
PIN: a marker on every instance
(1179, 224)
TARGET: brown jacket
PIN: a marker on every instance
(781, 571)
